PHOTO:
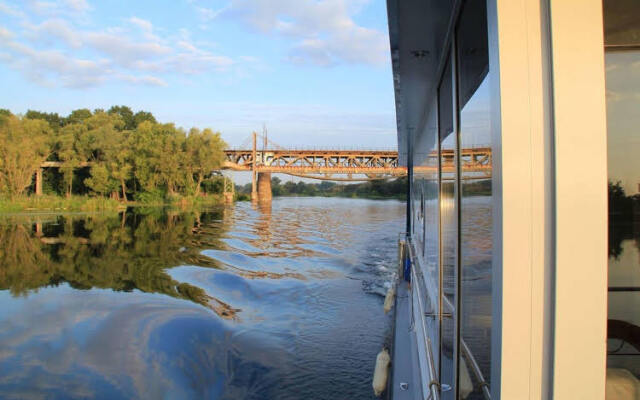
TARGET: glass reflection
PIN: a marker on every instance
(449, 234)
(622, 24)
(425, 184)
(476, 246)
(475, 202)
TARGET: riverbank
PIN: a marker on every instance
(347, 196)
(95, 204)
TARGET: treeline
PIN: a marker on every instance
(115, 153)
(624, 218)
(375, 189)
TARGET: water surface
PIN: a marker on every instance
(281, 302)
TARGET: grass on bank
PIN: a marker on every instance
(58, 203)
(96, 204)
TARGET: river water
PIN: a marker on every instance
(280, 302)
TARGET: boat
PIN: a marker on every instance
(511, 122)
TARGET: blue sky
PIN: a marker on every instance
(317, 73)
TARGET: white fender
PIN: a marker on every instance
(381, 373)
(389, 298)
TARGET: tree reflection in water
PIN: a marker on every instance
(124, 252)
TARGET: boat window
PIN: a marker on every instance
(475, 201)
(449, 235)
(622, 58)
(429, 171)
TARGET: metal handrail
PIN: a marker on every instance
(472, 360)
(466, 352)
(434, 383)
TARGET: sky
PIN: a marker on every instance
(623, 118)
(317, 73)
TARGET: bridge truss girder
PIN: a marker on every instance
(356, 165)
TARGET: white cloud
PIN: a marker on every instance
(143, 24)
(52, 67)
(324, 32)
(5, 34)
(77, 5)
(57, 52)
(69, 8)
(9, 10)
(54, 29)
(123, 50)
(143, 80)
(208, 14)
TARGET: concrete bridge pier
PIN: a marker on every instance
(264, 187)
(39, 182)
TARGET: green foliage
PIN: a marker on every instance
(155, 196)
(142, 116)
(117, 154)
(126, 114)
(214, 184)
(100, 181)
(203, 156)
(131, 120)
(53, 119)
(23, 148)
(78, 116)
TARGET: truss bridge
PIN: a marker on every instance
(348, 165)
(319, 163)
(356, 165)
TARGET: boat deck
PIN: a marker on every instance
(405, 351)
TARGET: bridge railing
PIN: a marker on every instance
(315, 148)
(338, 148)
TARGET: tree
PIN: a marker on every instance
(24, 146)
(78, 116)
(142, 116)
(106, 144)
(54, 120)
(290, 188)
(170, 158)
(100, 181)
(71, 152)
(204, 154)
(276, 189)
(145, 146)
(118, 160)
(126, 114)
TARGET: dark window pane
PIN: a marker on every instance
(622, 26)
(621, 23)
(475, 201)
(473, 54)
